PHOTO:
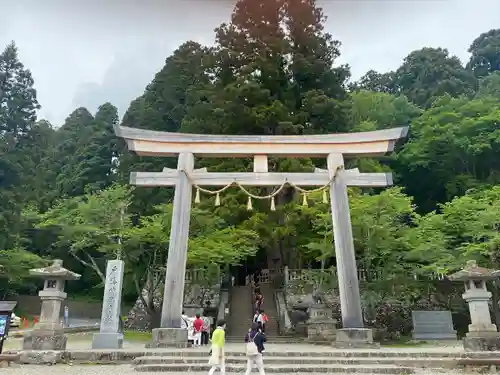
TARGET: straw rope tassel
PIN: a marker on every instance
(304, 200)
(217, 200)
(273, 204)
(197, 197)
(325, 197)
(249, 204)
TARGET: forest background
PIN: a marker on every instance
(64, 190)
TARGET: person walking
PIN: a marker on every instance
(259, 299)
(257, 318)
(217, 358)
(184, 321)
(197, 328)
(205, 330)
(264, 319)
(255, 340)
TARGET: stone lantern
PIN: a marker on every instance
(483, 334)
(48, 334)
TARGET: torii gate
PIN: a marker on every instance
(332, 146)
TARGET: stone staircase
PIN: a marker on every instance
(240, 313)
(323, 360)
(269, 307)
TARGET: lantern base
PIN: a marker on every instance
(490, 342)
(45, 340)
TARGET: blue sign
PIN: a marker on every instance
(4, 320)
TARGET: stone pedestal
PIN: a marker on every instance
(481, 343)
(355, 338)
(106, 340)
(322, 331)
(48, 334)
(321, 327)
(169, 338)
(40, 339)
(109, 336)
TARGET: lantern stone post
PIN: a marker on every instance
(48, 334)
(483, 335)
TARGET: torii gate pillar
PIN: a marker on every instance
(353, 333)
(171, 334)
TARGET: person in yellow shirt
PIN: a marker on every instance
(217, 358)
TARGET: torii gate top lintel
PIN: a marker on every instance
(155, 143)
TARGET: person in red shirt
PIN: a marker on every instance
(264, 319)
(197, 326)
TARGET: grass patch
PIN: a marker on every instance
(137, 336)
(405, 342)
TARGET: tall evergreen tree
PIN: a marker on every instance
(72, 139)
(87, 151)
(162, 107)
(275, 74)
(18, 105)
(17, 95)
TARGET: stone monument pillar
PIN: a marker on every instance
(321, 326)
(109, 336)
(483, 334)
(48, 334)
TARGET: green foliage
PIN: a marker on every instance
(17, 95)
(377, 110)
(485, 53)
(454, 146)
(272, 71)
(14, 269)
(211, 240)
(468, 227)
(489, 85)
(376, 82)
(429, 73)
(18, 105)
(90, 225)
(86, 151)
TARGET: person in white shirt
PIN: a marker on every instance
(257, 318)
(184, 321)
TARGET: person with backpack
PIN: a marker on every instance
(257, 318)
(255, 340)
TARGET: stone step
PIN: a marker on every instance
(339, 361)
(274, 339)
(342, 369)
(375, 354)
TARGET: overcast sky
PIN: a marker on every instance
(84, 53)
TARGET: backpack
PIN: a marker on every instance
(251, 347)
(265, 319)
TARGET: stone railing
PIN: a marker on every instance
(292, 275)
(201, 275)
(284, 322)
(267, 276)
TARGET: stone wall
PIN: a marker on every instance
(30, 305)
(197, 298)
(386, 308)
